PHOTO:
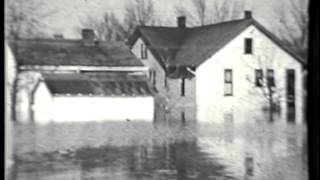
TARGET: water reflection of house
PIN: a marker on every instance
(207, 71)
(81, 80)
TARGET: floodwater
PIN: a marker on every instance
(146, 151)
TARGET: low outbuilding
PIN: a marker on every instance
(82, 80)
(81, 98)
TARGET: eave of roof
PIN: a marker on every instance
(97, 85)
(276, 40)
(160, 51)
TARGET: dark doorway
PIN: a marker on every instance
(291, 106)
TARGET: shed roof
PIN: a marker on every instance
(63, 52)
(84, 85)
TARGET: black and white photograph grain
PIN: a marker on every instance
(156, 89)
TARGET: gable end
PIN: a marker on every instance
(279, 43)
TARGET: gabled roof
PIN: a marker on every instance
(192, 46)
(109, 84)
(63, 52)
(164, 42)
(205, 41)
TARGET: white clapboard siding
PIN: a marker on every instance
(82, 108)
(247, 100)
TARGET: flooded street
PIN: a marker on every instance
(141, 150)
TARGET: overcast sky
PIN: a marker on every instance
(66, 19)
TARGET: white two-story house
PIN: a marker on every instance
(229, 71)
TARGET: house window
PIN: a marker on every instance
(182, 87)
(259, 77)
(143, 52)
(154, 77)
(183, 117)
(165, 82)
(228, 84)
(248, 45)
(150, 74)
(270, 78)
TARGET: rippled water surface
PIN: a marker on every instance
(144, 151)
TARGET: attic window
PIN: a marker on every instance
(248, 45)
(143, 51)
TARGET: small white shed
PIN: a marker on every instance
(80, 98)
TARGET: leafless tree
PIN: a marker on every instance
(106, 29)
(293, 27)
(266, 83)
(205, 12)
(137, 13)
(23, 19)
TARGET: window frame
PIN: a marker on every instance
(257, 78)
(183, 86)
(183, 116)
(270, 79)
(166, 82)
(143, 51)
(154, 77)
(228, 82)
(248, 46)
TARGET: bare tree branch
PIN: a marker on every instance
(24, 18)
(105, 28)
(205, 12)
(293, 25)
(138, 13)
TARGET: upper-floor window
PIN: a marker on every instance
(183, 87)
(143, 51)
(152, 76)
(270, 78)
(165, 82)
(248, 46)
(228, 82)
(259, 77)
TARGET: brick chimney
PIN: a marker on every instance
(88, 37)
(181, 21)
(247, 14)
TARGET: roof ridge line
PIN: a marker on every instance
(222, 22)
(194, 27)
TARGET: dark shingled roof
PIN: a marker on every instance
(63, 52)
(192, 46)
(108, 84)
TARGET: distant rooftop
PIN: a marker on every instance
(63, 52)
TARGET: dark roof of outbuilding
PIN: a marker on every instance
(99, 85)
(63, 52)
(192, 46)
